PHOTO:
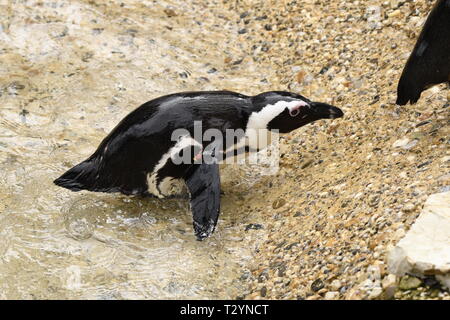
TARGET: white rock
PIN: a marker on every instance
(401, 143)
(374, 273)
(331, 295)
(403, 175)
(389, 285)
(375, 293)
(336, 285)
(410, 144)
(366, 284)
(389, 281)
(426, 247)
(408, 207)
(405, 143)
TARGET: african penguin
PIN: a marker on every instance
(141, 156)
(429, 63)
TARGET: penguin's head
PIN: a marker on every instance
(286, 111)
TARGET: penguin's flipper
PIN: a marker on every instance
(203, 182)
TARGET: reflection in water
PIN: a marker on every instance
(70, 71)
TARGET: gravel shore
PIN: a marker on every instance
(347, 190)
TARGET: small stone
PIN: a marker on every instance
(374, 200)
(375, 293)
(409, 207)
(244, 14)
(405, 143)
(389, 284)
(17, 85)
(253, 226)
(335, 285)
(170, 12)
(322, 291)
(263, 291)
(278, 203)
(306, 163)
(374, 273)
(300, 76)
(355, 294)
(401, 143)
(409, 282)
(317, 285)
(331, 295)
(394, 14)
(395, 3)
(410, 144)
(424, 164)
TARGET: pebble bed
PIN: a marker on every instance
(347, 190)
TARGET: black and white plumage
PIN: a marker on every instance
(429, 62)
(137, 156)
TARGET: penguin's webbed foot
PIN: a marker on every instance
(203, 231)
(203, 182)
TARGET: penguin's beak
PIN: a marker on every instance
(325, 111)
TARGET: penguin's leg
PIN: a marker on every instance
(203, 182)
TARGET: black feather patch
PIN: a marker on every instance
(429, 63)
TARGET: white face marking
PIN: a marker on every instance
(257, 134)
(152, 177)
(260, 120)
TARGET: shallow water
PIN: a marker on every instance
(69, 71)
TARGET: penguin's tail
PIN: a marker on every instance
(94, 175)
(81, 177)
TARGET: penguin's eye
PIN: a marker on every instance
(294, 112)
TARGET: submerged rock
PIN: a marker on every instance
(425, 250)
